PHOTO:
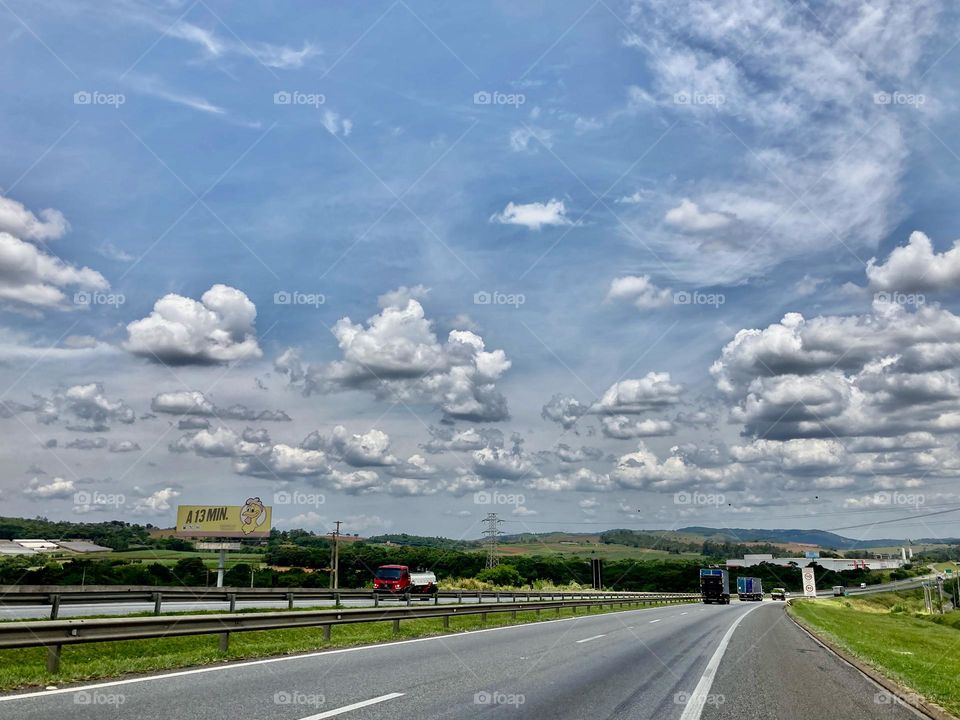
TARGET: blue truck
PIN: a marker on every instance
(715, 586)
(749, 588)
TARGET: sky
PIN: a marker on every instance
(586, 265)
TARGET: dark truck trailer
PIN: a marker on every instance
(749, 588)
(715, 586)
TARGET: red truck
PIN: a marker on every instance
(399, 579)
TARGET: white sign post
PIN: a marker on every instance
(809, 583)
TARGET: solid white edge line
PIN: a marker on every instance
(595, 637)
(354, 706)
(698, 698)
(303, 656)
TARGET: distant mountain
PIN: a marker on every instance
(820, 538)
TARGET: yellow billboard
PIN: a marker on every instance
(252, 519)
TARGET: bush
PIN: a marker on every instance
(500, 575)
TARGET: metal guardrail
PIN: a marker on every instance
(57, 595)
(54, 634)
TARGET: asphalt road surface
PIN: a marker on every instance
(743, 661)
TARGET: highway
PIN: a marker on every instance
(739, 661)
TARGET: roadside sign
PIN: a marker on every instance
(219, 546)
(809, 582)
(948, 571)
(252, 519)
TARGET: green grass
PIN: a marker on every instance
(918, 650)
(26, 667)
(588, 548)
(170, 557)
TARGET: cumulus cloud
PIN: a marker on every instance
(446, 439)
(564, 410)
(31, 277)
(183, 331)
(534, 215)
(56, 489)
(916, 267)
(157, 503)
(196, 403)
(82, 408)
(642, 470)
(688, 216)
(639, 291)
(398, 356)
(17, 220)
(370, 449)
(336, 125)
(622, 427)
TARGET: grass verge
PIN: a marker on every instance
(26, 667)
(920, 651)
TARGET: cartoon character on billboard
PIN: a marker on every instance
(252, 515)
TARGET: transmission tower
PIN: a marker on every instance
(491, 534)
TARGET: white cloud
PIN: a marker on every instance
(335, 125)
(371, 449)
(195, 403)
(56, 489)
(17, 220)
(916, 267)
(529, 139)
(180, 330)
(640, 291)
(398, 356)
(688, 216)
(533, 215)
(622, 427)
(158, 503)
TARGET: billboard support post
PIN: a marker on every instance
(221, 566)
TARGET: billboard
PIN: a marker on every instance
(252, 520)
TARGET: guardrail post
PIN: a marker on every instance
(436, 598)
(157, 602)
(483, 619)
(498, 597)
(232, 597)
(224, 641)
(336, 599)
(537, 611)
(54, 606)
(396, 625)
(376, 599)
(459, 598)
(479, 596)
(406, 595)
(326, 631)
(53, 658)
(446, 622)
(513, 615)
(289, 601)
(558, 609)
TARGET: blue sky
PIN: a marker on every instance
(321, 199)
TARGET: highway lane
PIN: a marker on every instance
(636, 664)
(773, 669)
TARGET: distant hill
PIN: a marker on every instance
(819, 538)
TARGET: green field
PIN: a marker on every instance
(585, 546)
(27, 667)
(890, 632)
(170, 557)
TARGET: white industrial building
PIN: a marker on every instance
(835, 564)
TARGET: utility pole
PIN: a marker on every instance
(335, 558)
(491, 534)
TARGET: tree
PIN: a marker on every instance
(500, 575)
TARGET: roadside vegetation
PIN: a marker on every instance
(893, 633)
